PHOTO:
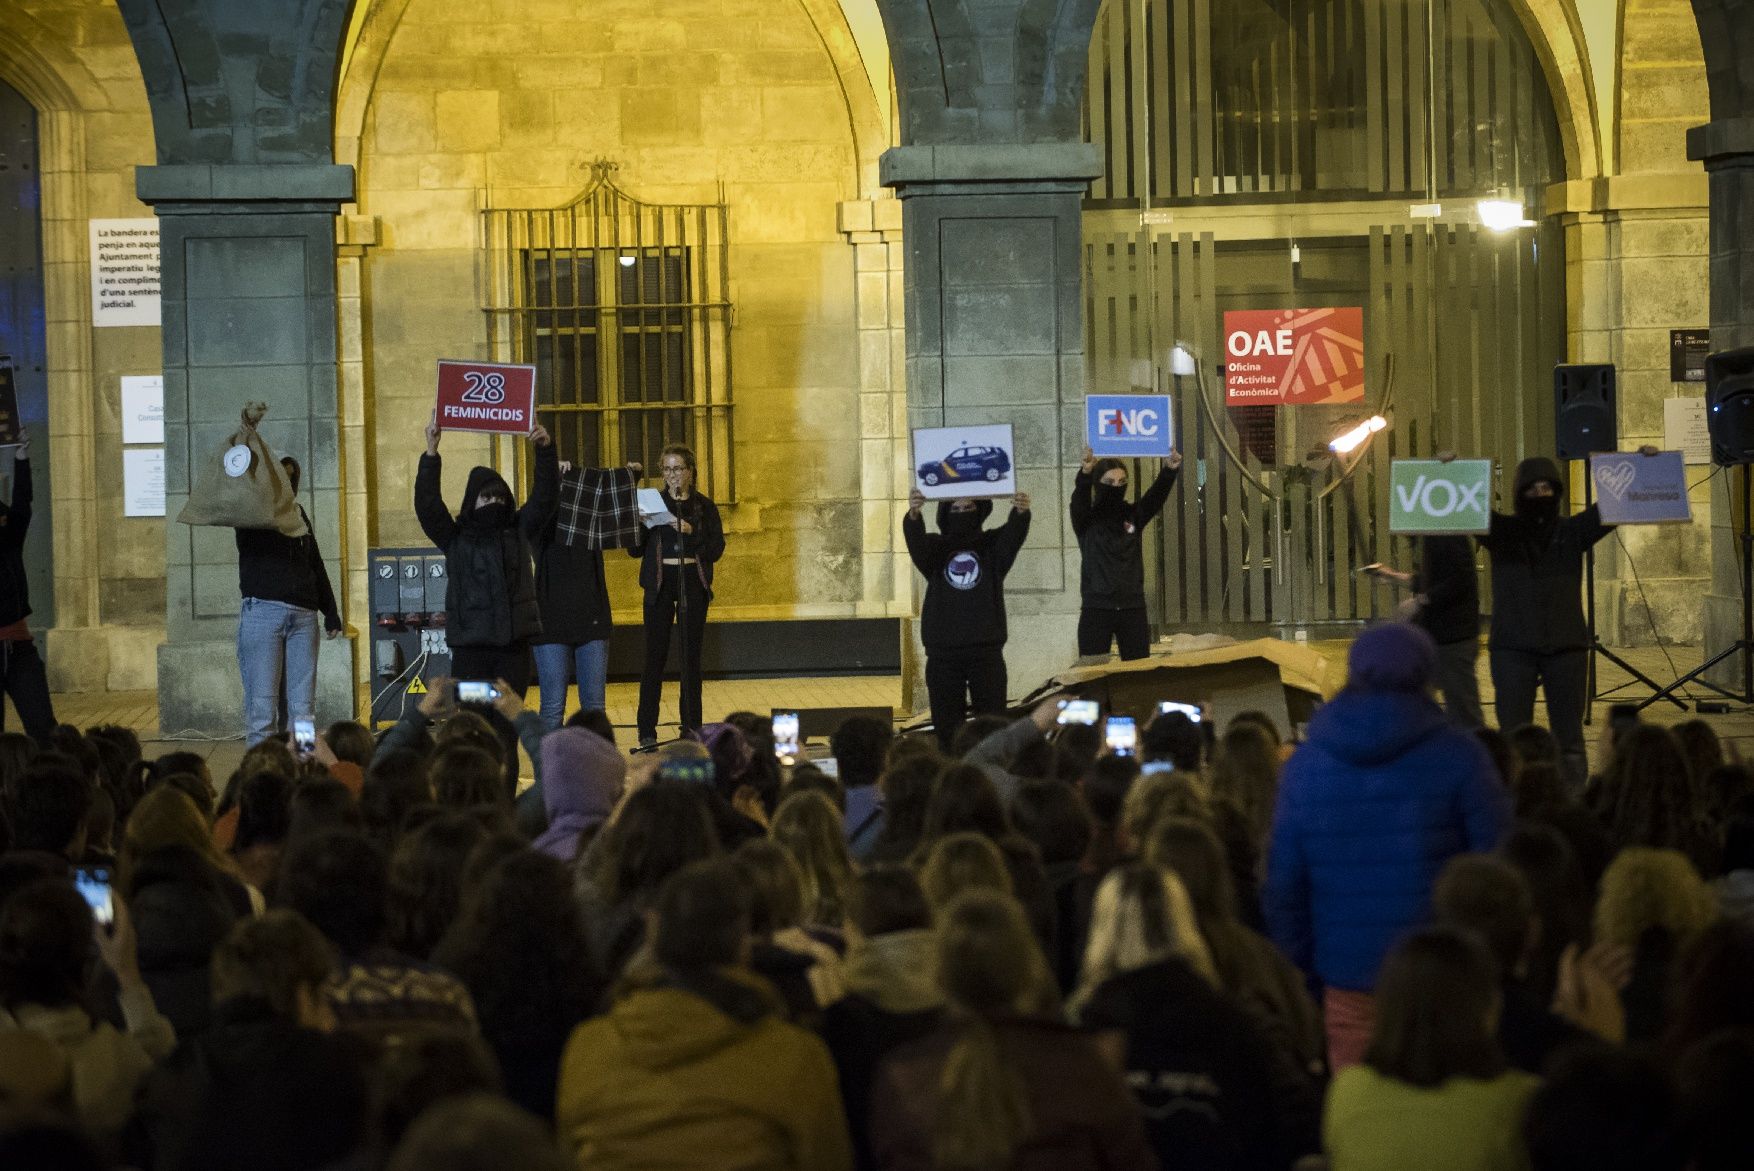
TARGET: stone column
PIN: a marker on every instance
(993, 238)
(1726, 147)
(248, 254)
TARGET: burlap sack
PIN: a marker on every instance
(243, 486)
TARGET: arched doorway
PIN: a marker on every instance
(23, 340)
(1298, 154)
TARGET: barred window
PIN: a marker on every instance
(623, 308)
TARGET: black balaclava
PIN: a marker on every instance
(1107, 499)
(960, 526)
(1541, 512)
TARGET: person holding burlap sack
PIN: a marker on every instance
(491, 611)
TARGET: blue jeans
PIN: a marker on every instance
(557, 662)
(277, 642)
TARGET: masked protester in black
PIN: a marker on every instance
(1539, 636)
(962, 621)
(490, 593)
(1110, 532)
(22, 675)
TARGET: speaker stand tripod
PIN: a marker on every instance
(1744, 645)
(1596, 647)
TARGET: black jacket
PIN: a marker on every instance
(706, 544)
(490, 593)
(182, 909)
(571, 591)
(1451, 589)
(1112, 543)
(278, 568)
(965, 577)
(1537, 570)
(1199, 1067)
(14, 588)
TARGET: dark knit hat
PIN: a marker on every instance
(1395, 656)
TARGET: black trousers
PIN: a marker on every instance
(1562, 676)
(665, 607)
(1099, 628)
(1459, 680)
(964, 680)
(511, 663)
(27, 682)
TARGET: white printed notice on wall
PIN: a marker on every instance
(143, 482)
(143, 408)
(124, 272)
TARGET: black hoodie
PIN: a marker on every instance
(1537, 567)
(14, 588)
(965, 570)
(490, 593)
(1109, 531)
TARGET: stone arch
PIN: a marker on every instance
(365, 57)
(49, 77)
(1556, 35)
(1667, 95)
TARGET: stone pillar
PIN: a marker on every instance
(993, 240)
(992, 171)
(1726, 147)
(247, 190)
(873, 228)
(248, 257)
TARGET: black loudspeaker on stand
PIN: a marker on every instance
(1583, 423)
(1729, 417)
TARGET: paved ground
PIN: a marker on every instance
(139, 710)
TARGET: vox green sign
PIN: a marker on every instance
(1426, 496)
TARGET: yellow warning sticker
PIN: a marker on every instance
(416, 687)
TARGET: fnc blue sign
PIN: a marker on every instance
(1129, 425)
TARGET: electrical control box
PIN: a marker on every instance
(408, 628)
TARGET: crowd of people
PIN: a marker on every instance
(1399, 943)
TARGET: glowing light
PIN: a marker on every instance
(1353, 439)
(1182, 361)
(1502, 215)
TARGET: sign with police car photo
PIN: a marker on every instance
(1129, 426)
(965, 461)
(1430, 496)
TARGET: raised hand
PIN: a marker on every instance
(916, 500)
(1173, 461)
(433, 431)
(1088, 463)
(1020, 502)
(539, 436)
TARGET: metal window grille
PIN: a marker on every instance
(624, 309)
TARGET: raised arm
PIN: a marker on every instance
(1151, 503)
(536, 517)
(429, 501)
(1011, 534)
(1080, 503)
(913, 531)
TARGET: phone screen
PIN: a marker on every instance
(476, 691)
(1190, 710)
(785, 735)
(94, 883)
(1122, 736)
(1079, 711)
(304, 736)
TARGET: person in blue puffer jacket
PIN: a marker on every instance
(1383, 793)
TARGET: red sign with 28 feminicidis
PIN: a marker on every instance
(487, 396)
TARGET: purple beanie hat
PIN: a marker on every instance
(1395, 656)
(582, 777)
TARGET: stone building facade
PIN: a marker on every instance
(904, 186)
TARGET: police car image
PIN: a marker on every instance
(967, 463)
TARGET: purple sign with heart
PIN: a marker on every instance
(1637, 489)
